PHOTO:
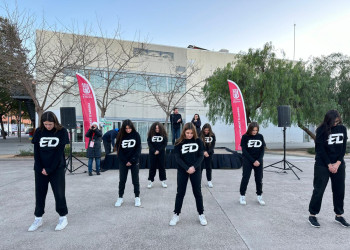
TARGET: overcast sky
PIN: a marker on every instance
(322, 27)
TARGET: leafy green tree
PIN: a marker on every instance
(258, 74)
(267, 82)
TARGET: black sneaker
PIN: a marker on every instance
(342, 221)
(90, 174)
(313, 221)
(98, 172)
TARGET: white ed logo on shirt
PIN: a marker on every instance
(157, 138)
(254, 144)
(49, 142)
(335, 138)
(208, 139)
(128, 143)
(189, 148)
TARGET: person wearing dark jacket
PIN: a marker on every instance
(157, 141)
(49, 142)
(253, 149)
(196, 120)
(208, 138)
(94, 147)
(109, 139)
(189, 155)
(128, 147)
(331, 139)
(176, 121)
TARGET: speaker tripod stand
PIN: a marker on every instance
(286, 164)
(69, 160)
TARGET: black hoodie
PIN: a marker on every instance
(130, 148)
(209, 144)
(253, 147)
(49, 149)
(189, 153)
(157, 142)
(330, 148)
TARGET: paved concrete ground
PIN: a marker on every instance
(94, 222)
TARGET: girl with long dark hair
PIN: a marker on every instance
(157, 141)
(196, 120)
(330, 147)
(128, 147)
(208, 138)
(189, 155)
(49, 164)
(253, 149)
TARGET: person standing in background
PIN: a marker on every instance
(157, 141)
(109, 139)
(176, 121)
(196, 120)
(208, 138)
(94, 147)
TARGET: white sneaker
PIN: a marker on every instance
(149, 184)
(203, 220)
(119, 202)
(164, 185)
(260, 200)
(242, 200)
(137, 202)
(62, 223)
(38, 222)
(210, 184)
(174, 220)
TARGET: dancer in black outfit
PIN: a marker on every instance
(253, 148)
(49, 164)
(188, 155)
(208, 138)
(157, 141)
(331, 138)
(128, 147)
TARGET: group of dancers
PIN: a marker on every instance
(193, 152)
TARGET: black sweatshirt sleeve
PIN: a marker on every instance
(59, 153)
(245, 149)
(343, 151)
(212, 146)
(262, 152)
(320, 147)
(150, 145)
(88, 133)
(138, 148)
(35, 141)
(179, 159)
(198, 162)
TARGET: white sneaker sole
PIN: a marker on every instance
(34, 229)
(340, 223)
(314, 225)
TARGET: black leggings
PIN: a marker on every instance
(182, 179)
(258, 174)
(321, 177)
(157, 162)
(123, 175)
(206, 164)
(57, 181)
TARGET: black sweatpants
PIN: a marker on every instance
(182, 179)
(157, 162)
(258, 174)
(107, 145)
(58, 185)
(123, 175)
(321, 177)
(206, 164)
